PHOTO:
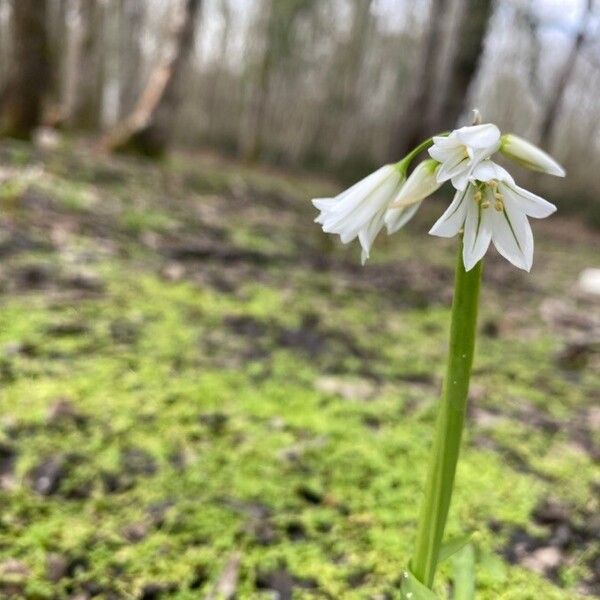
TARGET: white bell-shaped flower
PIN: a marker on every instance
(493, 208)
(461, 151)
(360, 210)
(422, 182)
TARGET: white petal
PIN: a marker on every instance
(445, 152)
(450, 223)
(452, 168)
(379, 199)
(446, 141)
(367, 182)
(460, 181)
(512, 236)
(421, 183)
(477, 236)
(530, 204)
(348, 200)
(364, 256)
(346, 236)
(529, 155)
(395, 218)
(487, 170)
(368, 234)
(359, 207)
(480, 136)
(323, 203)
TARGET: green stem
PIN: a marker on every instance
(405, 162)
(450, 421)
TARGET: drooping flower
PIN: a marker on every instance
(488, 206)
(462, 150)
(360, 210)
(529, 155)
(421, 183)
(493, 208)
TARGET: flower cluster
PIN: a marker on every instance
(488, 205)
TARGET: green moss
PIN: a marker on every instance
(204, 426)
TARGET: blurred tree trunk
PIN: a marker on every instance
(411, 125)
(471, 31)
(86, 110)
(131, 21)
(253, 147)
(355, 50)
(213, 99)
(426, 117)
(553, 106)
(280, 18)
(29, 75)
(341, 95)
(57, 30)
(531, 24)
(147, 130)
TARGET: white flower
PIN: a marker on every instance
(529, 155)
(462, 150)
(493, 208)
(421, 183)
(360, 210)
(397, 217)
(488, 205)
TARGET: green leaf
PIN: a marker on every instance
(413, 589)
(452, 546)
(464, 573)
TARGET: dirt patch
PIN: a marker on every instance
(249, 338)
(568, 538)
(282, 582)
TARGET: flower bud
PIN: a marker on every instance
(421, 183)
(529, 155)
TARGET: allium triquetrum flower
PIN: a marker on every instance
(422, 182)
(493, 208)
(489, 206)
(462, 150)
(360, 210)
(529, 155)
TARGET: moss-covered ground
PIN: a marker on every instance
(201, 391)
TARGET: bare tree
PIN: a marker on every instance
(409, 127)
(147, 130)
(226, 15)
(471, 31)
(531, 24)
(553, 106)
(131, 21)
(279, 42)
(435, 115)
(253, 146)
(86, 109)
(22, 98)
(57, 34)
(341, 94)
